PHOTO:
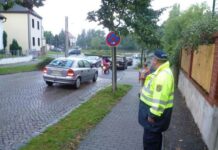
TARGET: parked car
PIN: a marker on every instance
(94, 60)
(74, 52)
(129, 61)
(70, 70)
(121, 62)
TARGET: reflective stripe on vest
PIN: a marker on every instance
(158, 101)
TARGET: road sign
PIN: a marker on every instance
(112, 39)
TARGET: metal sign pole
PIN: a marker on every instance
(114, 70)
(113, 40)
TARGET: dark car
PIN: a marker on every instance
(129, 61)
(95, 61)
(121, 62)
(69, 70)
(74, 52)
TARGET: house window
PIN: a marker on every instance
(38, 25)
(33, 41)
(33, 23)
(38, 41)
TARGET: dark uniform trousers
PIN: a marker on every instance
(152, 138)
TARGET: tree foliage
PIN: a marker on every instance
(129, 16)
(15, 48)
(49, 37)
(95, 39)
(25, 3)
(179, 28)
(128, 43)
(5, 39)
(30, 3)
(199, 33)
(92, 39)
(7, 4)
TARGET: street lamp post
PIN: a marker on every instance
(66, 36)
(214, 4)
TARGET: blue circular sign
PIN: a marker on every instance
(112, 39)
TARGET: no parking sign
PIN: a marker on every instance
(112, 39)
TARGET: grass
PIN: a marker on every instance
(26, 68)
(16, 69)
(55, 53)
(69, 131)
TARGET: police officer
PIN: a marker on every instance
(156, 102)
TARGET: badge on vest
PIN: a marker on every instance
(159, 88)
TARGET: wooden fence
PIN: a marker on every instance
(199, 65)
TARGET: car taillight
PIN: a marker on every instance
(70, 72)
(45, 70)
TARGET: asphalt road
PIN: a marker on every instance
(28, 106)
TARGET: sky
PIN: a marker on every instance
(54, 12)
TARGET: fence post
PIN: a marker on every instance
(213, 94)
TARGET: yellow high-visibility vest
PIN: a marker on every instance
(158, 90)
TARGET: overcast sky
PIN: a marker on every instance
(54, 12)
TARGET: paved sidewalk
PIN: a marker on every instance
(120, 130)
(183, 133)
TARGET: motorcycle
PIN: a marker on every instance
(106, 68)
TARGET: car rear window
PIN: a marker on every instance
(119, 59)
(61, 63)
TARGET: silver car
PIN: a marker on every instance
(70, 70)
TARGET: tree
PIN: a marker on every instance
(81, 40)
(129, 16)
(5, 39)
(56, 41)
(61, 37)
(128, 43)
(187, 30)
(7, 4)
(49, 37)
(30, 3)
(25, 3)
(92, 39)
(15, 48)
(175, 27)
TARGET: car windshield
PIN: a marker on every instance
(61, 63)
(92, 58)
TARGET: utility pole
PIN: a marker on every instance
(214, 4)
(66, 36)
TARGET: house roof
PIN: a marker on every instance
(20, 9)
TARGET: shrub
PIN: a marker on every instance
(44, 62)
(15, 48)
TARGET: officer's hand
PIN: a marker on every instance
(151, 120)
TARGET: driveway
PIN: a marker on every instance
(28, 106)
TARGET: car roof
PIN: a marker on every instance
(70, 58)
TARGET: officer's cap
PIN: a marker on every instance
(160, 54)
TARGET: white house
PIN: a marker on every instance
(25, 26)
(2, 19)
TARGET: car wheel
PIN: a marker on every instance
(49, 83)
(95, 77)
(77, 83)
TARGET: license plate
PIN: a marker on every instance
(56, 73)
